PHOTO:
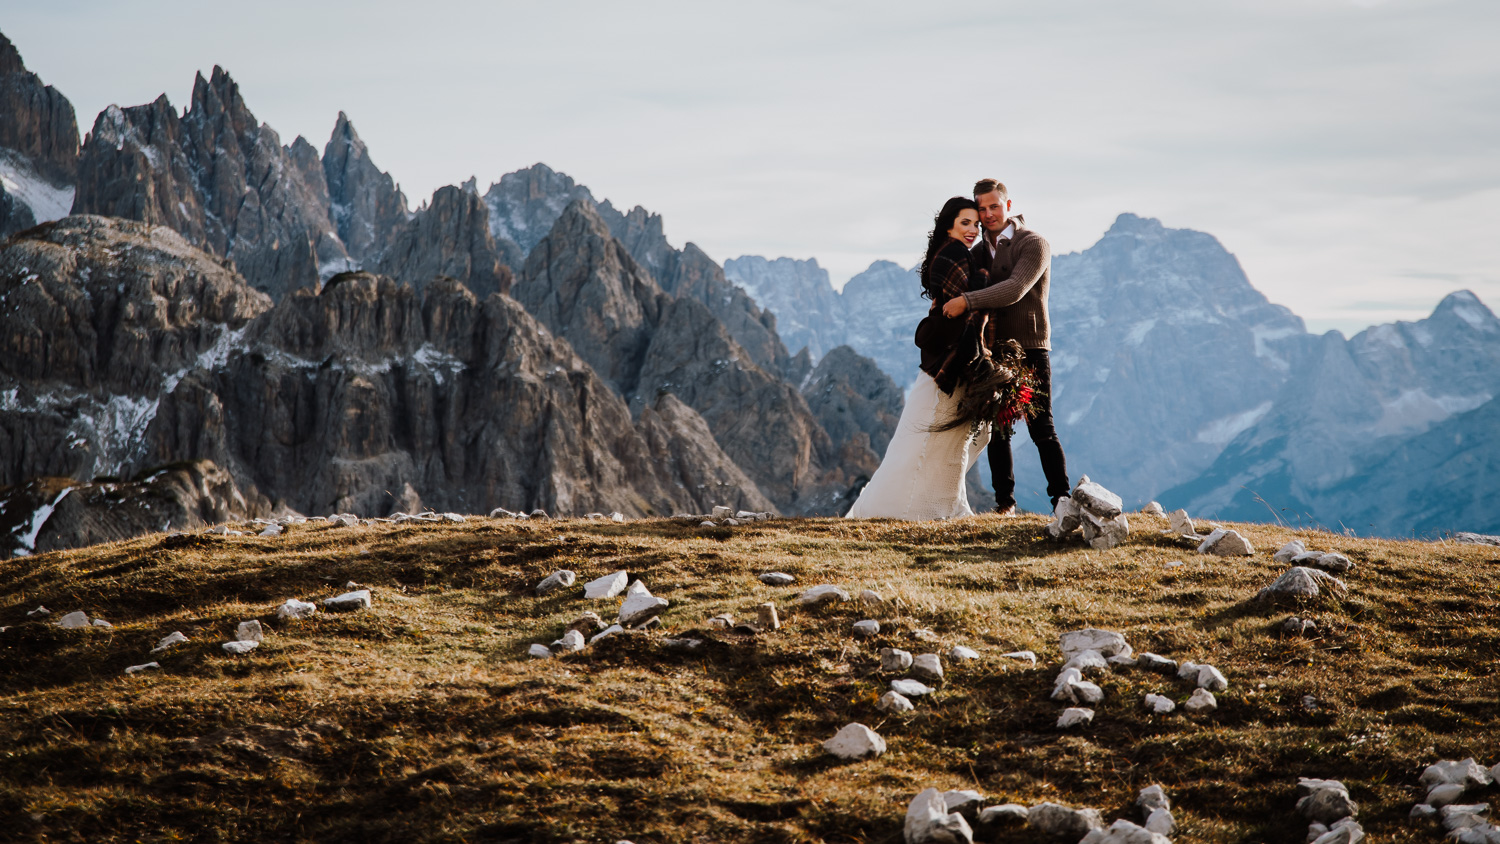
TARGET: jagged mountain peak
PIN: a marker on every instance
(10, 57)
(1466, 307)
(1134, 224)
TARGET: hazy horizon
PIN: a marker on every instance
(1343, 150)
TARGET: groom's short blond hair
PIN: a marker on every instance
(984, 186)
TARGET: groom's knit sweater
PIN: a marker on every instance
(1016, 294)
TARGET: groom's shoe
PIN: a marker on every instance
(1007, 513)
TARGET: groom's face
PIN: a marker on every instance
(994, 211)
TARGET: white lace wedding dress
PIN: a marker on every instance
(922, 475)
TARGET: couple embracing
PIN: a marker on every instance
(985, 365)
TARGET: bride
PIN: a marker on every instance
(922, 474)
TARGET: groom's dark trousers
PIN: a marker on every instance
(1043, 433)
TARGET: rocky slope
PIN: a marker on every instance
(449, 237)
(350, 399)
(809, 312)
(366, 205)
(38, 147)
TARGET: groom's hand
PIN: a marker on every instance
(955, 307)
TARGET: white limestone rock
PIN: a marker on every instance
(1088, 660)
(1294, 626)
(136, 669)
(1181, 524)
(238, 647)
(1347, 831)
(1159, 664)
(928, 821)
(1067, 516)
(640, 608)
(928, 667)
(1061, 822)
(1064, 681)
(359, 599)
(617, 517)
(294, 608)
(1202, 700)
(870, 598)
(1122, 660)
(1124, 832)
(722, 512)
(1022, 656)
(1226, 543)
(540, 651)
(1423, 811)
(173, 638)
(1324, 801)
(895, 702)
(855, 741)
(1097, 500)
(1444, 793)
(1211, 678)
(1153, 508)
(1107, 642)
(606, 632)
(1289, 551)
(766, 618)
(1161, 822)
(777, 578)
(911, 688)
(637, 587)
(723, 621)
(1160, 704)
(272, 530)
(962, 653)
(1153, 797)
(588, 623)
(76, 620)
(555, 581)
(1073, 716)
(867, 628)
(1188, 670)
(38, 611)
(571, 641)
(966, 802)
(1104, 534)
(99, 622)
(894, 659)
(1334, 561)
(1302, 582)
(1467, 773)
(1004, 813)
(821, 593)
(249, 631)
(608, 586)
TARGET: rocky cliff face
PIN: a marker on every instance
(809, 312)
(217, 176)
(583, 285)
(851, 396)
(52, 514)
(368, 207)
(36, 120)
(525, 204)
(1329, 447)
(337, 401)
(450, 237)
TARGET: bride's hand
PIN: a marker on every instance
(955, 307)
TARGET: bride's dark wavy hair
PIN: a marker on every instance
(939, 234)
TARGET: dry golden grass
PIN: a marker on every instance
(422, 719)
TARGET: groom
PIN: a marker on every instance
(1020, 265)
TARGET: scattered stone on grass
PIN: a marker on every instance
(1467, 773)
(1161, 822)
(359, 599)
(1153, 508)
(99, 622)
(540, 651)
(1106, 642)
(870, 598)
(1160, 664)
(641, 607)
(555, 581)
(1326, 560)
(766, 618)
(249, 631)
(911, 688)
(723, 621)
(1096, 499)
(606, 632)
(928, 821)
(1294, 626)
(1124, 832)
(1181, 524)
(1104, 534)
(895, 702)
(1226, 543)
(1067, 516)
(38, 611)
(1302, 582)
(1324, 801)
(617, 517)
(1160, 704)
(821, 593)
(74, 620)
(894, 659)
(867, 627)
(1211, 678)
(637, 587)
(173, 638)
(855, 741)
(1086, 661)
(272, 530)
(1004, 813)
(294, 608)
(1467, 538)
(238, 647)
(777, 578)
(962, 653)
(1309, 703)
(571, 641)
(588, 623)
(1202, 700)
(925, 635)
(1346, 831)
(1444, 793)
(966, 802)
(1023, 656)
(608, 586)
(1287, 552)
(1055, 821)
(683, 645)
(1073, 716)
(539, 513)
(136, 669)
(927, 667)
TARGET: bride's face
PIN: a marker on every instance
(965, 227)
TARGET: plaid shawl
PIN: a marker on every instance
(950, 345)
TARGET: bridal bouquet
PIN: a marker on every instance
(998, 389)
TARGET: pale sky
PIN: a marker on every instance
(1347, 151)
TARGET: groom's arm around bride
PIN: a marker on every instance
(1020, 269)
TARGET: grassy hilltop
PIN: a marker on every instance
(422, 719)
